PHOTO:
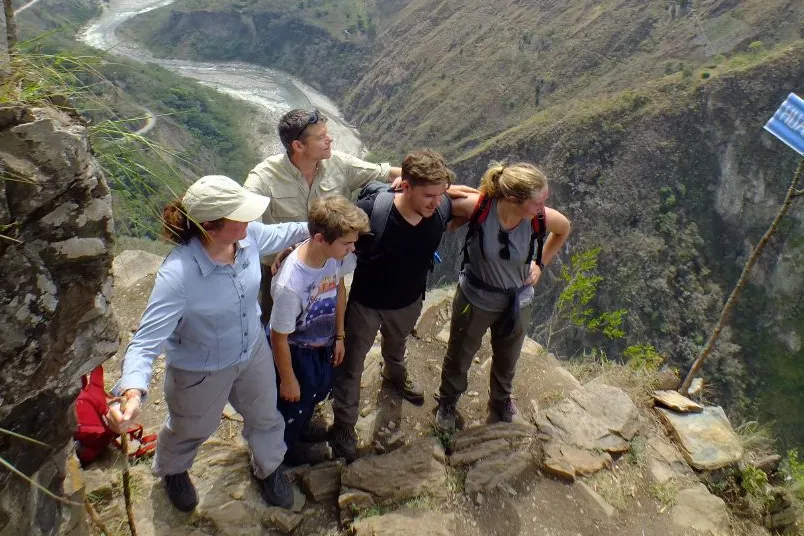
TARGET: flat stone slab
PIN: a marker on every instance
(491, 473)
(609, 405)
(479, 452)
(568, 461)
(413, 470)
(595, 417)
(595, 499)
(677, 402)
(665, 462)
(352, 502)
(707, 439)
(510, 432)
(699, 510)
(323, 481)
(407, 521)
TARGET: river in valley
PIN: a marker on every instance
(272, 92)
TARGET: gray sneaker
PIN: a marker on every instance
(446, 416)
(409, 390)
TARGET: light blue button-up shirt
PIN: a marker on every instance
(205, 314)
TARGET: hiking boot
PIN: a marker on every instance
(446, 416)
(302, 453)
(181, 492)
(276, 489)
(504, 411)
(343, 441)
(316, 432)
(408, 389)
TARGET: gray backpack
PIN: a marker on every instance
(383, 197)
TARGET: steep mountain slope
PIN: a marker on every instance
(450, 74)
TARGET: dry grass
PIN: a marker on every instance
(756, 439)
(620, 486)
(637, 384)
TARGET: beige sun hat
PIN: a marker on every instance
(215, 196)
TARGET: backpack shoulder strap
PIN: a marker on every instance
(538, 232)
(481, 211)
(479, 215)
(380, 213)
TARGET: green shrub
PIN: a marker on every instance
(643, 356)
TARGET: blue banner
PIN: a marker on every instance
(787, 123)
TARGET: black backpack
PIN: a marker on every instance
(383, 196)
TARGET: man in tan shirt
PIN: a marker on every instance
(309, 169)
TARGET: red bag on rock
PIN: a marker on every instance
(93, 434)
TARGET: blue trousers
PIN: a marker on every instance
(313, 370)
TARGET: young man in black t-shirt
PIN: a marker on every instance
(388, 285)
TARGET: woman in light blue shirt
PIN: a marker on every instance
(203, 311)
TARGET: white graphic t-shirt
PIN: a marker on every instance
(305, 299)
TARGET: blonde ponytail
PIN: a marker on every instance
(518, 182)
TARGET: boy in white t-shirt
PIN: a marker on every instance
(307, 319)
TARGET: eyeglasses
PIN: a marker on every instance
(312, 119)
(505, 250)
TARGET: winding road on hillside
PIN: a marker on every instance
(150, 122)
(272, 91)
(24, 7)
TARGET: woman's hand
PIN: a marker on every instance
(289, 389)
(121, 417)
(338, 353)
(535, 274)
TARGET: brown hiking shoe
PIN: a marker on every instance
(303, 453)
(343, 442)
(406, 387)
(504, 411)
(446, 416)
(316, 432)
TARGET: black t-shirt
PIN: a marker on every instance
(394, 274)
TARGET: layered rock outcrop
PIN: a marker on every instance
(55, 315)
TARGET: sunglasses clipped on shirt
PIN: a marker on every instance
(312, 119)
(505, 249)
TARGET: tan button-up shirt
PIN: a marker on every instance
(291, 196)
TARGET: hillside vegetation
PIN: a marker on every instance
(646, 115)
(197, 129)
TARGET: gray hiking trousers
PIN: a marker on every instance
(361, 325)
(466, 330)
(195, 403)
